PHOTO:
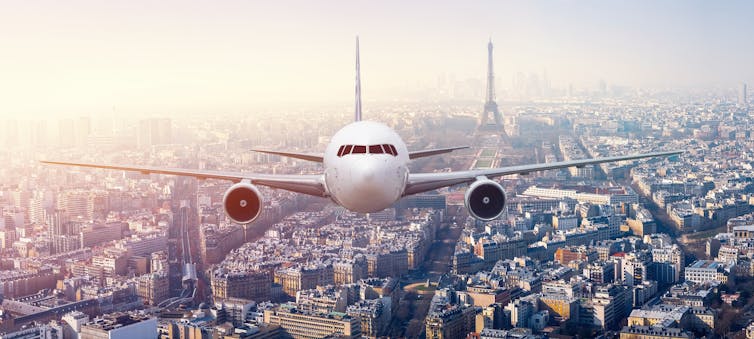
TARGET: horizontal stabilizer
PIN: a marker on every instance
(430, 152)
(302, 156)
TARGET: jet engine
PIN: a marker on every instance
(485, 199)
(242, 202)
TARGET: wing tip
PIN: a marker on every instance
(669, 153)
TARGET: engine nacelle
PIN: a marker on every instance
(242, 202)
(485, 199)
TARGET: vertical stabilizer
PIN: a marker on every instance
(358, 84)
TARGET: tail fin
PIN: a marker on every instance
(358, 84)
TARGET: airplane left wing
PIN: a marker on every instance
(302, 156)
(422, 182)
(306, 184)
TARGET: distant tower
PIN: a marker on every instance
(742, 100)
(490, 106)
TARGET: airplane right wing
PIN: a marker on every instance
(430, 152)
(422, 182)
(306, 184)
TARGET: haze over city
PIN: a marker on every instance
(353, 169)
(84, 57)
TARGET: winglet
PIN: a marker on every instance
(358, 84)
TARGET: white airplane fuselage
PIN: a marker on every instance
(367, 181)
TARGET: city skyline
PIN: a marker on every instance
(522, 170)
(578, 251)
(88, 57)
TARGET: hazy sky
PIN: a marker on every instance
(84, 57)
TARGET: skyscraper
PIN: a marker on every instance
(154, 132)
(66, 133)
(742, 99)
(10, 133)
(82, 131)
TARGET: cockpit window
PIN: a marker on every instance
(395, 152)
(389, 150)
(362, 149)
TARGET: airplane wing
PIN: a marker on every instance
(302, 156)
(436, 151)
(422, 182)
(306, 184)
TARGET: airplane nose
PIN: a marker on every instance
(366, 173)
(371, 189)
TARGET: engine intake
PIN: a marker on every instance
(485, 199)
(242, 202)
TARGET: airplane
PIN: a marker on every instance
(365, 170)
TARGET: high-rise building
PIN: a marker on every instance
(10, 133)
(7, 237)
(155, 131)
(13, 218)
(673, 256)
(600, 272)
(36, 208)
(66, 133)
(58, 224)
(610, 304)
(38, 133)
(521, 311)
(83, 130)
(742, 96)
(75, 203)
(635, 268)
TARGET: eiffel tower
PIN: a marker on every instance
(490, 106)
